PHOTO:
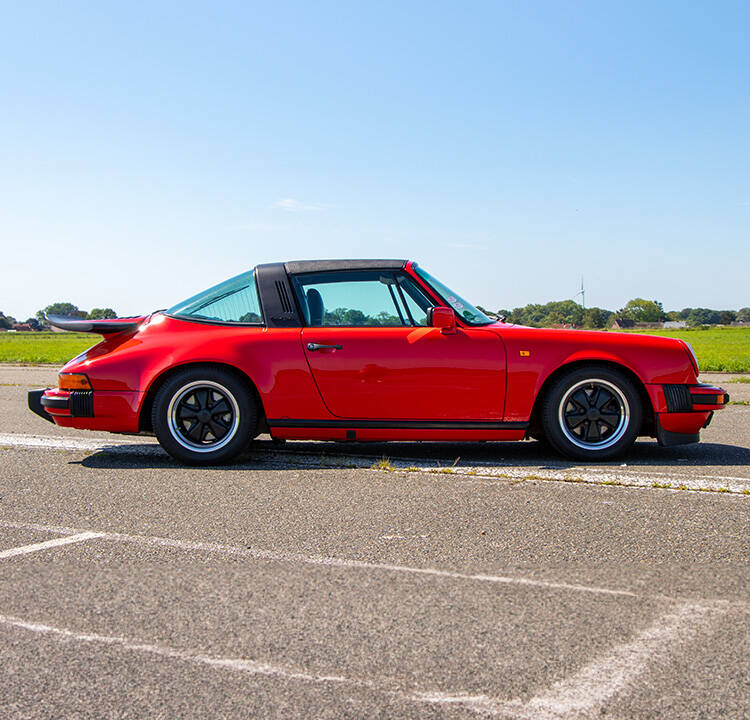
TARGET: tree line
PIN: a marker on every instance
(64, 309)
(569, 312)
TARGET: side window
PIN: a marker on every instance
(362, 298)
(233, 301)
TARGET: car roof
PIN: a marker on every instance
(306, 266)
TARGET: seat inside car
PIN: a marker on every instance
(315, 306)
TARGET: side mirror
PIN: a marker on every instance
(443, 318)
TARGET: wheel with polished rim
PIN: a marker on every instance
(592, 413)
(204, 416)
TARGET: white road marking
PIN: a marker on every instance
(58, 442)
(583, 695)
(326, 561)
(25, 549)
(630, 476)
(248, 666)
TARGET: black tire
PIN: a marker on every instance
(204, 416)
(592, 413)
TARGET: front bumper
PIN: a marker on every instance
(680, 411)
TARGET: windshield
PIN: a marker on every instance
(232, 301)
(465, 310)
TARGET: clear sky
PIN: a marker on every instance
(151, 149)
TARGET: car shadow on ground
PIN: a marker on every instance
(266, 454)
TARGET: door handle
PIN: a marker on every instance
(312, 347)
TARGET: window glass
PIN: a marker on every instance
(416, 303)
(464, 309)
(368, 298)
(234, 301)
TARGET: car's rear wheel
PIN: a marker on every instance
(592, 413)
(204, 416)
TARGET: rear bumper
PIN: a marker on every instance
(35, 404)
(87, 409)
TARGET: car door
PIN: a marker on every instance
(372, 355)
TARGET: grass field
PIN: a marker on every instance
(718, 349)
(43, 347)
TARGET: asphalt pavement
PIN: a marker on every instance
(448, 581)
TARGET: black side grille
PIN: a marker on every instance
(678, 398)
(286, 304)
(82, 403)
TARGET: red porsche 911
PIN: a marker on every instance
(362, 350)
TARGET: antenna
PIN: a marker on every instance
(582, 293)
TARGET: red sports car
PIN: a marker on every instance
(358, 350)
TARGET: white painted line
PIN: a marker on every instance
(53, 442)
(248, 666)
(322, 560)
(25, 549)
(583, 695)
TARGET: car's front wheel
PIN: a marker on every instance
(592, 413)
(204, 416)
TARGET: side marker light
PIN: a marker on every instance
(73, 381)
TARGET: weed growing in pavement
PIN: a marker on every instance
(739, 402)
(740, 380)
(664, 486)
(383, 464)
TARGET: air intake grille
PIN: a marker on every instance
(82, 403)
(286, 305)
(678, 398)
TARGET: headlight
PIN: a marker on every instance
(693, 356)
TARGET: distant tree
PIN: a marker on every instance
(102, 314)
(595, 317)
(703, 316)
(673, 315)
(743, 314)
(727, 317)
(33, 323)
(65, 309)
(6, 321)
(684, 313)
(640, 310)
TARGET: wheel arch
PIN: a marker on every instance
(144, 414)
(647, 423)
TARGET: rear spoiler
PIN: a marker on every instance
(102, 327)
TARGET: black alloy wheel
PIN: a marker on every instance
(204, 416)
(592, 413)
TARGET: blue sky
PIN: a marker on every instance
(151, 149)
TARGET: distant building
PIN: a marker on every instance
(622, 324)
(674, 324)
(21, 327)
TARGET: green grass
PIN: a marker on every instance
(43, 347)
(725, 349)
